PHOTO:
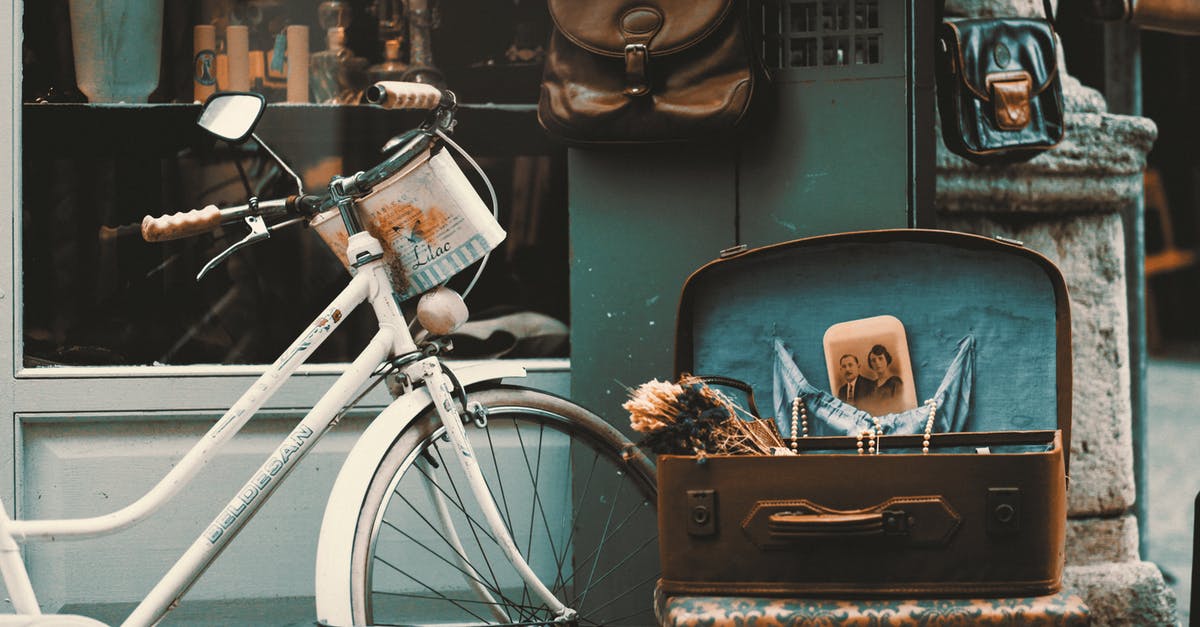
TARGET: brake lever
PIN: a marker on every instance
(258, 233)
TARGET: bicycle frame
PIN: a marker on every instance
(372, 284)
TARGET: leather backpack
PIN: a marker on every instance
(634, 71)
(998, 87)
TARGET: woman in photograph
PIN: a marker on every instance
(887, 385)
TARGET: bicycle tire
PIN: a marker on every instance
(406, 568)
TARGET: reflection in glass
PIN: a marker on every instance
(866, 14)
(836, 51)
(866, 49)
(836, 15)
(804, 52)
(803, 17)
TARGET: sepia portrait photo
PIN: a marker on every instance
(869, 365)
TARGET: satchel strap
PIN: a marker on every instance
(1047, 8)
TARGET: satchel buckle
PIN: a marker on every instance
(637, 80)
(1010, 93)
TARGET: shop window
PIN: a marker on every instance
(93, 293)
(828, 33)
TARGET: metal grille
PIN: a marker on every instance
(821, 33)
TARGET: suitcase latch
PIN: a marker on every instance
(702, 512)
(1004, 511)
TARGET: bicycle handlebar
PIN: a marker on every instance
(197, 221)
(180, 225)
(401, 95)
(389, 95)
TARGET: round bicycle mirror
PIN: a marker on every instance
(232, 115)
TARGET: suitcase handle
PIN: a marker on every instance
(735, 384)
(788, 525)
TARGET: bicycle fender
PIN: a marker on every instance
(350, 487)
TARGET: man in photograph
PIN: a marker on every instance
(854, 387)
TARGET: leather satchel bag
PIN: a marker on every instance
(646, 71)
(998, 87)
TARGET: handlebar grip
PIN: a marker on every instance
(401, 95)
(180, 225)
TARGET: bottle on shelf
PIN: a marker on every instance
(336, 74)
(392, 68)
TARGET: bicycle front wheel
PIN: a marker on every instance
(580, 507)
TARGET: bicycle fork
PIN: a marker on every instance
(440, 389)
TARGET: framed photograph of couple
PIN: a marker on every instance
(869, 365)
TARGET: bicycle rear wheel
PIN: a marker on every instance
(582, 514)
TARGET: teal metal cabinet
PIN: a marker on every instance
(844, 143)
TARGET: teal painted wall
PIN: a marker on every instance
(832, 151)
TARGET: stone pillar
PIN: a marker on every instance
(1067, 204)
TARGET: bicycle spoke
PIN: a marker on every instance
(495, 587)
(593, 556)
(575, 519)
(595, 552)
(471, 519)
(426, 586)
(425, 597)
(499, 478)
(614, 568)
(603, 538)
(502, 600)
(596, 610)
(536, 504)
(467, 575)
(454, 486)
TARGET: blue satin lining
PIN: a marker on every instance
(829, 415)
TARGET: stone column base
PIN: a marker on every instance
(1123, 593)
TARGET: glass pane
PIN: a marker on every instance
(95, 293)
(803, 17)
(773, 19)
(866, 14)
(804, 53)
(836, 15)
(866, 49)
(836, 51)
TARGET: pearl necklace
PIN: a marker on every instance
(799, 418)
(932, 405)
(873, 436)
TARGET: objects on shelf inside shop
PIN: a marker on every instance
(420, 46)
(204, 61)
(237, 48)
(117, 46)
(528, 34)
(393, 34)
(392, 68)
(336, 75)
(297, 63)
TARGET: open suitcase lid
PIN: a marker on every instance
(942, 286)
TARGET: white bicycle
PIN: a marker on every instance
(466, 501)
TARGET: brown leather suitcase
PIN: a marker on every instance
(983, 513)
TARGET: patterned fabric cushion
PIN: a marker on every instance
(1063, 609)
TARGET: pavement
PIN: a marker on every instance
(1173, 470)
